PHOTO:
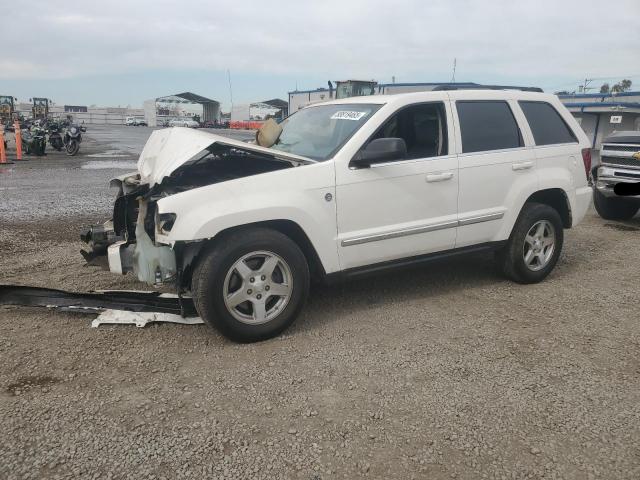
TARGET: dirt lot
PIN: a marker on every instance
(445, 372)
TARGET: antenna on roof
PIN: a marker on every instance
(453, 77)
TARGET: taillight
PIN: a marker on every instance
(586, 159)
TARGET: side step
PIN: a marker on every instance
(96, 301)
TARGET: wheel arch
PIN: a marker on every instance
(557, 199)
(189, 253)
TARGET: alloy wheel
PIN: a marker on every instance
(539, 245)
(258, 287)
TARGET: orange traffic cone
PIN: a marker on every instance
(3, 153)
(18, 140)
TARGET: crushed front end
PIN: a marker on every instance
(128, 240)
(173, 161)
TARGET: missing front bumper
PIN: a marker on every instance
(152, 263)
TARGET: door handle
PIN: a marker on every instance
(439, 177)
(522, 166)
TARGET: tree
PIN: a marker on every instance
(605, 88)
(622, 86)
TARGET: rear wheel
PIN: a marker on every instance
(614, 208)
(535, 244)
(251, 285)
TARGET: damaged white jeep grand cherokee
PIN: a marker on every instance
(348, 187)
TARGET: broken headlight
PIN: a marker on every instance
(165, 221)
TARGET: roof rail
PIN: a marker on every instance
(487, 87)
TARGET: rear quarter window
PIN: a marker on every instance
(487, 125)
(546, 124)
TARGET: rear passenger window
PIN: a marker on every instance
(487, 125)
(546, 124)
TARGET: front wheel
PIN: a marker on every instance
(72, 147)
(534, 246)
(614, 208)
(251, 285)
(39, 148)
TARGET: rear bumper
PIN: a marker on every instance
(584, 197)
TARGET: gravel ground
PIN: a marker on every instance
(444, 372)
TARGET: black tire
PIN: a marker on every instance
(612, 208)
(208, 282)
(40, 148)
(511, 257)
(72, 147)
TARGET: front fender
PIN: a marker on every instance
(297, 194)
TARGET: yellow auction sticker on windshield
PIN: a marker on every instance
(348, 115)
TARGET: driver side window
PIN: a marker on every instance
(422, 127)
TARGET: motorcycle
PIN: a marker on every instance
(73, 138)
(34, 140)
(55, 139)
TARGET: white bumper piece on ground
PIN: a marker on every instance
(141, 319)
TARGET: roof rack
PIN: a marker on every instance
(487, 87)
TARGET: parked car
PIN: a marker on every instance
(351, 187)
(184, 122)
(135, 122)
(207, 124)
(617, 179)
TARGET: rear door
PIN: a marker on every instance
(496, 164)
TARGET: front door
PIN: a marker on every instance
(401, 208)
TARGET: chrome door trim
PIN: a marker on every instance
(398, 233)
(409, 161)
(481, 218)
(422, 229)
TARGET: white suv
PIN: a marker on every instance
(350, 187)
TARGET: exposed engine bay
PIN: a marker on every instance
(128, 241)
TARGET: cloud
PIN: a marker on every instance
(329, 39)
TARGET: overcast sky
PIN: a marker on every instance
(123, 52)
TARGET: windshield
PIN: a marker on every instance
(318, 132)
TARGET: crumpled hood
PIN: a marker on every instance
(169, 148)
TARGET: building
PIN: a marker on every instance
(281, 106)
(259, 111)
(80, 113)
(600, 114)
(161, 110)
(301, 98)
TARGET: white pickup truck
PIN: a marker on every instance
(617, 192)
(350, 187)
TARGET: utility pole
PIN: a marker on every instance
(453, 77)
(585, 86)
(230, 90)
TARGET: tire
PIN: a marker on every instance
(217, 276)
(40, 148)
(523, 259)
(72, 147)
(612, 208)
